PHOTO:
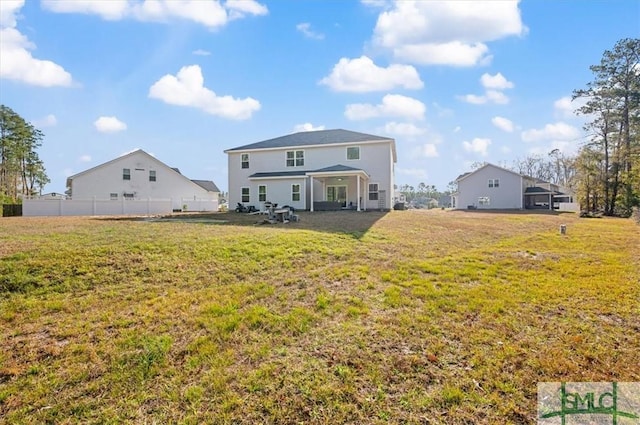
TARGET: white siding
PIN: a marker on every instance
(100, 182)
(376, 158)
(508, 195)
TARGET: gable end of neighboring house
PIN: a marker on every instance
(325, 169)
(494, 187)
(138, 176)
(490, 187)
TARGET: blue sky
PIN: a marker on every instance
(453, 82)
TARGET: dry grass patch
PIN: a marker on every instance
(404, 317)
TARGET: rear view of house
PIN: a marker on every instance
(314, 170)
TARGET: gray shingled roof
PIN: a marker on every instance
(279, 174)
(537, 190)
(334, 168)
(319, 137)
(338, 167)
(207, 185)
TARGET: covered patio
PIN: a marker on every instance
(340, 187)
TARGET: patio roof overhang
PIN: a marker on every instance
(338, 171)
(278, 175)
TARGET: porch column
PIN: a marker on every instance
(551, 201)
(311, 191)
(358, 191)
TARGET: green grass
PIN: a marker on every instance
(404, 317)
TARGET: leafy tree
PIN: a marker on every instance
(613, 105)
(22, 172)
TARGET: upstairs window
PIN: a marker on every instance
(245, 160)
(295, 158)
(262, 193)
(245, 194)
(126, 174)
(152, 175)
(353, 153)
(494, 182)
(373, 191)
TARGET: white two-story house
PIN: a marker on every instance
(314, 170)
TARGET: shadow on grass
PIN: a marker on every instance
(346, 222)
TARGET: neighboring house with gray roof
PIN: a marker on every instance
(494, 187)
(313, 170)
(140, 176)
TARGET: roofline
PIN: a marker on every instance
(278, 177)
(337, 173)
(239, 150)
(495, 166)
(70, 178)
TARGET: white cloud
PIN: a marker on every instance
(85, 158)
(474, 99)
(503, 124)
(565, 107)
(8, 11)
(418, 173)
(497, 97)
(187, 89)
(446, 32)
(15, 50)
(305, 28)
(48, 121)
(505, 150)
(496, 82)
(393, 105)
(239, 8)
(109, 10)
(403, 129)
(559, 131)
(307, 127)
(477, 145)
(362, 75)
(452, 53)
(427, 150)
(493, 85)
(201, 52)
(210, 13)
(376, 3)
(109, 125)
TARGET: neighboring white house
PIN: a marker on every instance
(140, 176)
(493, 187)
(314, 170)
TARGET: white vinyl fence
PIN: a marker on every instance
(568, 206)
(75, 207)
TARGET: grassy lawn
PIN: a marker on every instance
(364, 318)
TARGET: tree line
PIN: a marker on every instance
(605, 172)
(608, 165)
(22, 172)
